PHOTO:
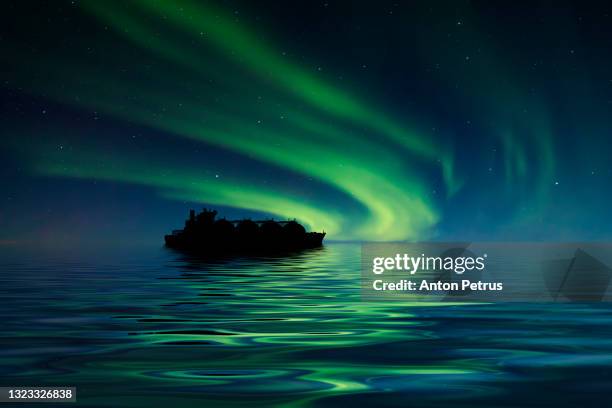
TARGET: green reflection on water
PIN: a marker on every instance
(158, 328)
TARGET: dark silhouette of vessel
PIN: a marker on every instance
(203, 234)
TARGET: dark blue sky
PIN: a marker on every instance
(421, 120)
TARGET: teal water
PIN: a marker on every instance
(153, 328)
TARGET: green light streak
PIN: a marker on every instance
(210, 25)
(245, 48)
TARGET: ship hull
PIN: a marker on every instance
(212, 245)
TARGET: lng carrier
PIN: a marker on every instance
(205, 234)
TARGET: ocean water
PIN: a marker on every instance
(154, 328)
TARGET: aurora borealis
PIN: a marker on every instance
(386, 121)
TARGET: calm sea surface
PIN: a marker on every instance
(153, 328)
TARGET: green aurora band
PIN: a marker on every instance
(304, 123)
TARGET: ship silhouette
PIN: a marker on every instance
(204, 234)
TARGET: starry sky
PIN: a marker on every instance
(421, 120)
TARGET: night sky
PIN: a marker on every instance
(372, 121)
